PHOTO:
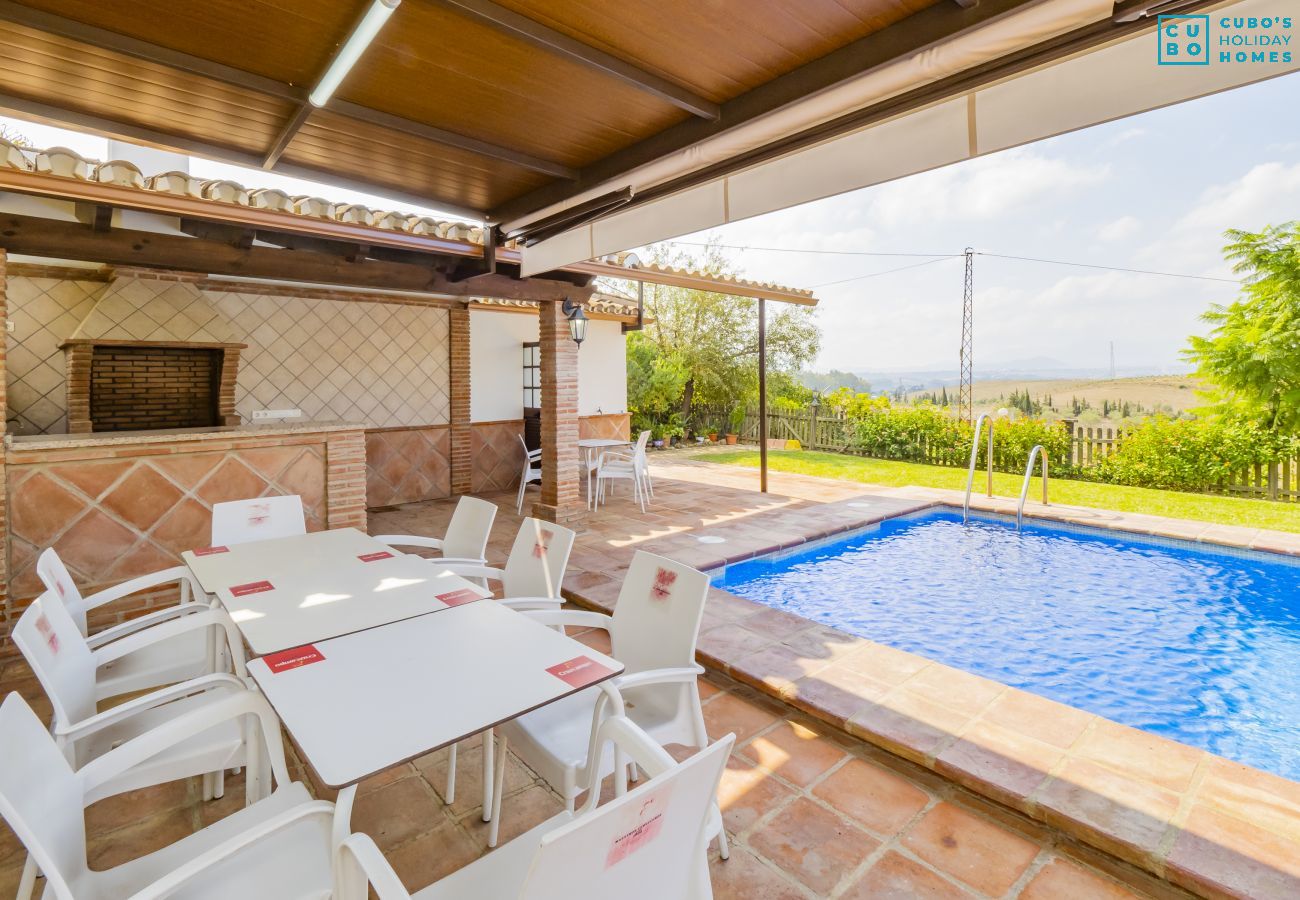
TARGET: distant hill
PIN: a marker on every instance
(1144, 395)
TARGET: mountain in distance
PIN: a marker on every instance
(1040, 368)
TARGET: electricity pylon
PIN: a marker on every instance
(965, 392)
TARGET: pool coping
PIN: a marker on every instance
(1201, 822)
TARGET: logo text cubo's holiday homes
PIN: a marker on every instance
(1202, 39)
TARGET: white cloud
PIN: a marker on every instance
(982, 189)
(1117, 230)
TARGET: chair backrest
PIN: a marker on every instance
(649, 843)
(469, 528)
(257, 519)
(54, 575)
(528, 453)
(657, 617)
(535, 567)
(641, 440)
(41, 798)
(58, 655)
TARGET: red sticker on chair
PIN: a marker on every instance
(580, 671)
(210, 551)
(459, 597)
(543, 542)
(645, 822)
(253, 587)
(293, 659)
(47, 631)
(376, 556)
(663, 586)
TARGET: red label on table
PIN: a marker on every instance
(210, 551)
(253, 587)
(376, 556)
(580, 671)
(459, 597)
(292, 659)
(663, 585)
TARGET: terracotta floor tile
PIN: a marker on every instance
(1253, 796)
(747, 794)
(104, 851)
(908, 724)
(729, 713)
(999, 763)
(1220, 854)
(813, 844)
(795, 752)
(962, 691)
(1061, 879)
(744, 877)
(881, 800)
(519, 812)
(1140, 755)
(1123, 816)
(469, 772)
(895, 877)
(434, 855)
(124, 809)
(730, 642)
(884, 663)
(971, 849)
(1039, 718)
(397, 812)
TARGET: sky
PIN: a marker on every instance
(1154, 191)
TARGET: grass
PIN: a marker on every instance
(894, 473)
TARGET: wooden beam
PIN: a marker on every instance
(288, 131)
(557, 42)
(929, 27)
(184, 62)
(120, 247)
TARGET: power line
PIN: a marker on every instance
(928, 262)
(1058, 262)
(800, 250)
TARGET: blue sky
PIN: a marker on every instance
(1154, 192)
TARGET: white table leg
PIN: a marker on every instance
(487, 775)
(498, 788)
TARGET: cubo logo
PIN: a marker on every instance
(1184, 40)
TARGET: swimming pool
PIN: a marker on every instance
(1199, 645)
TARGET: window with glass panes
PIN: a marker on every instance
(533, 375)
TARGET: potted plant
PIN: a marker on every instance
(657, 437)
(737, 419)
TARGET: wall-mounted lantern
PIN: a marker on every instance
(577, 320)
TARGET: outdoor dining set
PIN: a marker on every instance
(368, 657)
(605, 462)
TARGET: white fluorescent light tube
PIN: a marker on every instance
(352, 49)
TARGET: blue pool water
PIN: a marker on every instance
(1199, 646)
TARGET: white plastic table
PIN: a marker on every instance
(365, 702)
(288, 605)
(219, 567)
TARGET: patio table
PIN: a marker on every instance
(363, 703)
(590, 447)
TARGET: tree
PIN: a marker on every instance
(714, 337)
(13, 136)
(655, 380)
(1252, 354)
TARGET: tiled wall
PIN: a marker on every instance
(385, 364)
(118, 511)
(406, 465)
(497, 455)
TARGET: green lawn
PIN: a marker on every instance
(893, 473)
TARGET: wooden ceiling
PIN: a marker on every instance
(482, 106)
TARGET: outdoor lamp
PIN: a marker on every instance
(577, 320)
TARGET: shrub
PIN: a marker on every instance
(1191, 454)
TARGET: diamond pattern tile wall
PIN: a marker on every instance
(497, 454)
(148, 309)
(408, 465)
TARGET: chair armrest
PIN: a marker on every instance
(681, 675)
(359, 862)
(457, 561)
(75, 731)
(157, 617)
(189, 586)
(211, 618)
(236, 704)
(408, 540)
(467, 569)
(579, 618)
(533, 604)
(169, 883)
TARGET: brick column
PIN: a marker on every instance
(345, 480)
(6, 646)
(461, 460)
(561, 499)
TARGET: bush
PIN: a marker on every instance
(1191, 454)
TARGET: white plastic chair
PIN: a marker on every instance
(466, 537)
(277, 847)
(633, 467)
(645, 845)
(188, 655)
(531, 579)
(65, 667)
(257, 519)
(653, 632)
(532, 472)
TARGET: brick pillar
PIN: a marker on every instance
(461, 460)
(561, 499)
(6, 623)
(345, 480)
(77, 362)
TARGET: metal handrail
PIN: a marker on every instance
(1024, 488)
(974, 455)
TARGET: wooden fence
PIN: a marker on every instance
(1089, 444)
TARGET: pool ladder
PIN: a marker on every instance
(974, 456)
(1040, 453)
